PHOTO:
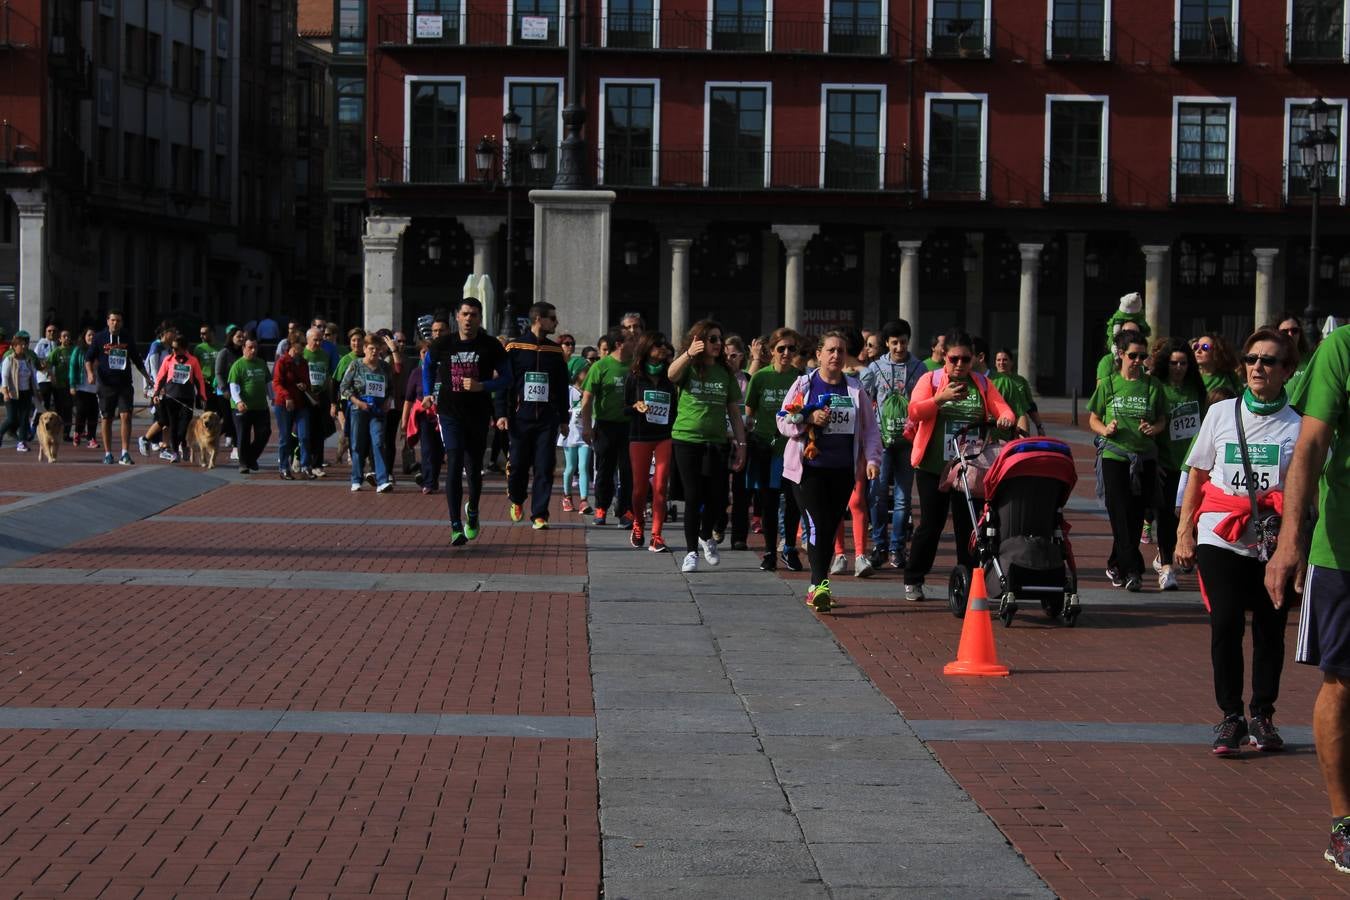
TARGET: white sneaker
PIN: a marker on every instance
(356, 487)
(385, 487)
(709, 549)
(862, 567)
(143, 446)
(1157, 565)
(839, 564)
(914, 592)
(1167, 581)
(166, 455)
(234, 454)
(690, 563)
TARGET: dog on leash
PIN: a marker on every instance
(49, 428)
(203, 437)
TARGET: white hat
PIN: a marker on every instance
(1131, 303)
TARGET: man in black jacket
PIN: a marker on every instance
(537, 412)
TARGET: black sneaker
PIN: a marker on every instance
(1232, 734)
(739, 545)
(896, 560)
(1117, 579)
(768, 562)
(877, 557)
(1133, 584)
(1338, 851)
(1265, 736)
(791, 559)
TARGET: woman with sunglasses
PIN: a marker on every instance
(649, 399)
(1217, 364)
(1184, 399)
(1289, 325)
(1218, 534)
(941, 404)
(764, 474)
(1128, 416)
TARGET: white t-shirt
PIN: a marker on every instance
(1270, 444)
(573, 438)
(43, 348)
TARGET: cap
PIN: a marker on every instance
(20, 335)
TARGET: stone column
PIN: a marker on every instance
(483, 230)
(871, 263)
(1157, 311)
(975, 286)
(795, 238)
(1265, 282)
(1076, 302)
(1028, 301)
(679, 288)
(33, 299)
(571, 254)
(909, 289)
(383, 246)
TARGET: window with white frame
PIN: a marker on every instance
(739, 24)
(856, 26)
(1317, 31)
(959, 28)
(1075, 144)
(630, 24)
(955, 143)
(737, 136)
(435, 21)
(435, 131)
(629, 132)
(535, 23)
(854, 131)
(1079, 29)
(1205, 31)
(1203, 165)
(538, 103)
(1296, 127)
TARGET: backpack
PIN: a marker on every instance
(894, 413)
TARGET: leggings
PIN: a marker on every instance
(86, 413)
(1125, 509)
(18, 415)
(1165, 528)
(934, 505)
(857, 508)
(640, 454)
(464, 445)
(823, 495)
(179, 418)
(577, 461)
(703, 472)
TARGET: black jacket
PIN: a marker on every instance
(531, 357)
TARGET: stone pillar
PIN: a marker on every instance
(679, 288)
(33, 299)
(795, 238)
(571, 254)
(909, 289)
(975, 286)
(1028, 301)
(1265, 282)
(383, 246)
(871, 263)
(1157, 311)
(770, 288)
(1075, 303)
(483, 230)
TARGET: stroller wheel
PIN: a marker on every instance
(1007, 608)
(1071, 610)
(1053, 606)
(958, 590)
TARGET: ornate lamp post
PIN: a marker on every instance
(572, 154)
(1317, 150)
(483, 157)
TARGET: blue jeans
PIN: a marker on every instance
(292, 424)
(464, 446)
(366, 432)
(897, 477)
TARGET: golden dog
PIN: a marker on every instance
(203, 436)
(49, 428)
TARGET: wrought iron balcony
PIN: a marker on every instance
(1211, 41)
(960, 38)
(16, 31)
(1316, 43)
(812, 169)
(457, 27)
(1076, 40)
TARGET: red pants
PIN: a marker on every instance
(640, 454)
(857, 508)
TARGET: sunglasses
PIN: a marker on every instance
(569, 343)
(1291, 331)
(1204, 347)
(1269, 362)
(713, 339)
(786, 348)
(1137, 357)
(960, 360)
(1178, 362)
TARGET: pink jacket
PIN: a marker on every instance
(867, 438)
(923, 409)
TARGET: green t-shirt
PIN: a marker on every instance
(343, 362)
(951, 415)
(931, 365)
(1185, 411)
(1222, 380)
(252, 377)
(1131, 403)
(605, 382)
(1017, 392)
(704, 396)
(206, 356)
(1322, 394)
(1105, 366)
(58, 366)
(765, 395)
(319, 376)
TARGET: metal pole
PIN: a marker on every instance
(1310, 312)
(508, 313)
(572, 153)
(1073, 411)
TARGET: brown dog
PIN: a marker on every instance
(344, 447)
(49, 429)
(203, 436)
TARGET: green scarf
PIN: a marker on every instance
(1258, 407)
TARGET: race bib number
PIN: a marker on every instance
(1265, 459)
(842, 419)
(117, 360)
(318, 374)
(658, 407)
(536, 387)
(181, 373)
(375, 386)
(1185, 421)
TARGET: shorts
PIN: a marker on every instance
(1324, 623)
(115, 399)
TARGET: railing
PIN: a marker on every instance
(1214, 40)
(1317, 43)
(1193, 184)
(1076, 39)
(1295, 186)
(1085, 184)
(755, 170)
(960, 38)
(16, 31)
(453, 28)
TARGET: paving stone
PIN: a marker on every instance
(683, 859)
(639, 612)
(687, 701)
(657, 764)
(673, 720)
(941, 866)
(683, 640)
(704, 888)
(692, 793)
(638, 823)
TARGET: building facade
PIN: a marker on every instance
(1013, 167)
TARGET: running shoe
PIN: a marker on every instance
(176, 458)
(75, 438)
(1167, 581)
(877, 557)
(356, 486)
(307, 474)
(1338, 851)
(516, 513)
(862, 567)
(126, 459)
(457, 538)
(914, 593)
(586, 509)
(838, 564)
(384, 488)
(320, 471)
(791, 559)
(1113, 574)
(717, 537)
(540, 523)
(92, 445)
(636, 537)
(370, 478)
(756, 525)
(600, 516)
(243, 470)
(1134, 584)
(567, 503)
(107, 459)
(1158, 564)
(470, 522)
(143, 446)
(739, 545)
(20, 447)
(1147, 536)
(658, 544)
(286, 475)
(1232, 734)
(818, 597)
(234, 454)
(895, 559)
(427, 489)
(690, 563)
(626, 520)
(709, 549)
(166, 455)
(768, 562)
(1264, 735)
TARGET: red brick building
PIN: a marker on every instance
(961, 161)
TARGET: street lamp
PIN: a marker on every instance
(1317, 150)
(483, 156)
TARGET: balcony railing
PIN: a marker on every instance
(1085, 182)
(1320, 43)
(1213, 41)
(960, 38)
(407, 165)
(1296, 183)
(451, 28)
(1070, 40)
(16, 32)
(1196, 181)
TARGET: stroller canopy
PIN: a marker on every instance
(1037, 457)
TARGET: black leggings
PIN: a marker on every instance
(1234, 584)
(703, 472)
(934, 505)
(179, 418)
(86, 414)
(1125, 509)
(614, 469)
(823, 496)
(1165, 517)
(760, 466)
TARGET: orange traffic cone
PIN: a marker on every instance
(976, 655)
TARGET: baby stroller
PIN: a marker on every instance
(1020, 539)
